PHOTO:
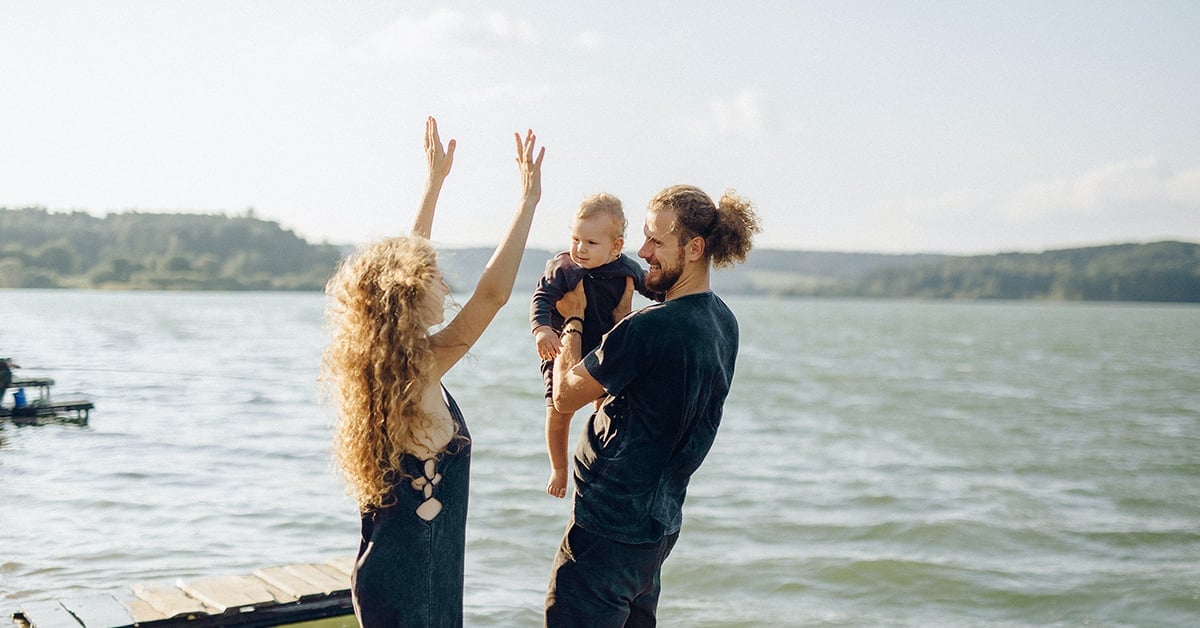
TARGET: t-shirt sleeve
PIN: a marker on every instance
(619, 358)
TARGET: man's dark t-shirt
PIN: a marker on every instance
(666, 370)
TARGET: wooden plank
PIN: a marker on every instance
(336, 574)
(229, 592)
(320, 580)
(308, 590)
(50, 614)
(281, 596)
(283, 579)
(171, 602)
(142, 611)
(344, 564)
(99, 610)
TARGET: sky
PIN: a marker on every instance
(925, 126)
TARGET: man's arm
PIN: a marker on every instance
(574, 386)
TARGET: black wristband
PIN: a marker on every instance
(573, 331)
(572, 318)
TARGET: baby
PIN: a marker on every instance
(595, 258)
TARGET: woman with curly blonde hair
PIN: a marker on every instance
(401, 440)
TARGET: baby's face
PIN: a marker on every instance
(594, 241)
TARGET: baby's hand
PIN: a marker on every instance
(557, 486)
(548, 343)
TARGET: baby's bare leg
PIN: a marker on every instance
(558, 426)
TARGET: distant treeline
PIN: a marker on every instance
(41, 249)
(1157, 271)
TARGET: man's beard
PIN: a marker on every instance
(665, 280)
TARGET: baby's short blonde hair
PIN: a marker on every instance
(604, 204)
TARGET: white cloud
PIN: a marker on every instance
(313, 47)
(949, 203)
(1184, 188)
(589, 40)
(1139, 199)
(446, 33)
(1114, 187)
(745, 115)
(505, 29)
(508, 92)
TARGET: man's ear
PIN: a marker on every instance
(695, 249)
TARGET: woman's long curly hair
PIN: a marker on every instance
(378, 361)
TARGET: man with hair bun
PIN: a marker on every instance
(664, 373)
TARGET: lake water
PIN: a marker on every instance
(881, 463)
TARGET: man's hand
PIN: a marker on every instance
(625, 305)
(573, 303)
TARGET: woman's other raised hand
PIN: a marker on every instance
(531, 168)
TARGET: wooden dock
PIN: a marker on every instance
(274, 596)
(41, 409)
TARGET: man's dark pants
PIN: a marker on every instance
(598, 582)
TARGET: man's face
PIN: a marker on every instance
(661, 251)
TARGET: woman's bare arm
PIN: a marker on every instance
(496, 284)
(440, 160)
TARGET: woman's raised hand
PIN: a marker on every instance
(440, 159)
(531, 169)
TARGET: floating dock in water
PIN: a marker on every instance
(42, 408)
(274, 596)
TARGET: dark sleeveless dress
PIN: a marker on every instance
(409, 571)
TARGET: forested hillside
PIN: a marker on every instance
(1159, 271)
(41, 249)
